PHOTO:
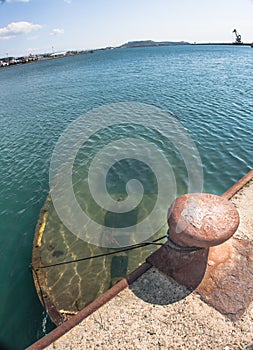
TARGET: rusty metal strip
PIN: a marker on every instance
(88, 310)
(42, 228)
(238, 185)
(39, 275)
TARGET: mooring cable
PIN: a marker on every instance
(179, 248)
(131, 247)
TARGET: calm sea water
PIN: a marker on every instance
(208, 88)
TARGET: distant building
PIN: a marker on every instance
(58, 54)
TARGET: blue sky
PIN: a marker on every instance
(35, 26)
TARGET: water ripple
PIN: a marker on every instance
(204, 87)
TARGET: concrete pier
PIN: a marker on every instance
(153, 311)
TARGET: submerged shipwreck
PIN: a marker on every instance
(70, 273)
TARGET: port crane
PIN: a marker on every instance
(238, 38)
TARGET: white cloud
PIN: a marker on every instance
(68, 1)
(57, 31)
(16, 28)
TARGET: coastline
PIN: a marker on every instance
(15, 61)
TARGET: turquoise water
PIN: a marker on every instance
(208, 88)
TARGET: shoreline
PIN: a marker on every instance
(23, 60)
(17, 61)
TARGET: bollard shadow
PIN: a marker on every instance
(156, 288)
(173, 276)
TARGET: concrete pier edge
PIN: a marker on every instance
(120, 286)
(89, 309)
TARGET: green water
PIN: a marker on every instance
(208, 88)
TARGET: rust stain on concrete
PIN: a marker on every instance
(228, 283)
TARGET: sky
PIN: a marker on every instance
(39, 26)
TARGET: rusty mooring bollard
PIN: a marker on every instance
(197, 222)
(202, 255)
(201, 220)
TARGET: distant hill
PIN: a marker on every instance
(144, 43)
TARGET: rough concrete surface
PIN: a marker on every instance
(243, 201)
(157, 313)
